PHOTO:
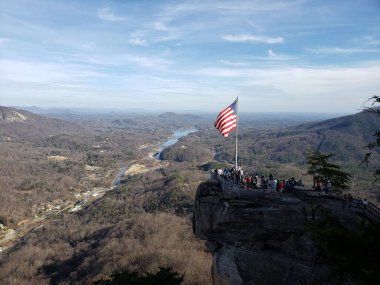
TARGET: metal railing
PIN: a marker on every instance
(365, 209)
(233, 190)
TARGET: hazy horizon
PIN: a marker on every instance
(72, 113)
(187, 56)
(147, 111)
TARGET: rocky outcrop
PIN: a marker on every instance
(243, 220)
(18, 124)
(243, 265)
(261, 240)
(11, 115)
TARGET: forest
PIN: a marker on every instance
(144, 223)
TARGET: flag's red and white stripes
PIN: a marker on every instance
(226, 120)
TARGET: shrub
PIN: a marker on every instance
(353, 253)
(165, 276)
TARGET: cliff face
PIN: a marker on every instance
(243, 220)
(258, 241)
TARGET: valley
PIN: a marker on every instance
(48, 210)
(82, 196)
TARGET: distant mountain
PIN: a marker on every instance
(345, 136)
(43, 111)
(21, 124)
(171, 115)
(362, 124)
(168, 120)
(167, 115)
(178, 121)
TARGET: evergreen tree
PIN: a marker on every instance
(323, 170)
(376, 143)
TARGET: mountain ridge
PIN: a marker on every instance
(346, 136)
(21, 124)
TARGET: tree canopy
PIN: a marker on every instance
(375, 108)
(322, 170)
(165, 276)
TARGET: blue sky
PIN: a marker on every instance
(285, 56)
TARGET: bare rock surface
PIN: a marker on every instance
(260, 241)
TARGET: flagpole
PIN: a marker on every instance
(237, 129)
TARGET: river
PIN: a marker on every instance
(170, 141)
(173, 139)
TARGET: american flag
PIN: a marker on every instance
(226, 120)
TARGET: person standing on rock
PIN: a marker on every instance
(241, 174)
(232, 173)
(318, 185)
(328, 186)
(226, 173)
(264, 184)
(350, 199)
(344, 201)
(281, 186)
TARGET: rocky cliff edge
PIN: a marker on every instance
(261, 240)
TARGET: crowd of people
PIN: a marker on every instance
(261, 182)
(256, 181)
(325, 186)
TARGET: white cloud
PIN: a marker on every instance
(225, 7)
(88, 46)
(130, 60)
(369, 40)
(279, 57)
(235, 63)
(219, 16)
(160, 26)
(151, 62)
(323, 89)
(252, 38)
(97, 60)
(337, 50)
(3, 41)
(137, 42)
(181, 37)
(106, 14)
(271, 53)
(38, 72)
